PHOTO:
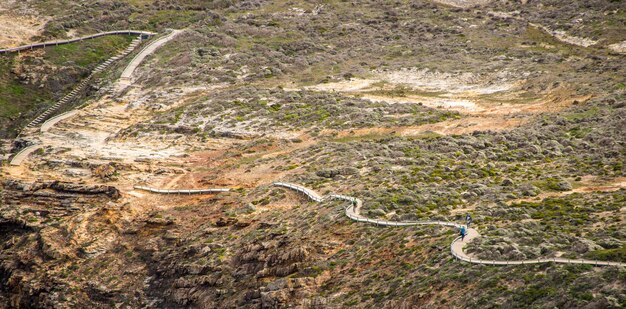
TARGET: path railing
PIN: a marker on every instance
(306, 191)
(143, 53)
(24, 153)
(353, 212)
(87, 37)
(52, 121)
(83, 84)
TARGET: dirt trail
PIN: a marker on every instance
(587, 184)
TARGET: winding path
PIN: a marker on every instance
(83, 84)
(126, 74)
(125, 78)
(52, 121)
(353, 211)
(87, 37)
(24, 153)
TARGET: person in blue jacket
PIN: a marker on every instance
(462, 232)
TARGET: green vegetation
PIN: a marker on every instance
(616, 255)
(87, 53)
(260, 246)
(17, 98)
(24, 96)
(403, 91)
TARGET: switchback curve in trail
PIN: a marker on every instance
(24, 153)
(82, 85)
(353, 211)
(87, 37)
(130, 68)
(125, 78)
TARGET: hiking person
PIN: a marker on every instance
(462, 232)
(468, 219)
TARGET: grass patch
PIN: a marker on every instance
(16, 98)
(582, 115)
(87, 53)
(20, 101)
(365, 137)
(615, 255)
(404, 91)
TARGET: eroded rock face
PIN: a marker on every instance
(259, 274)
(38, 231)
(105, 171)
(39, 203)
(60, 188)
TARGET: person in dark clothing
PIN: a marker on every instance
(468, 219)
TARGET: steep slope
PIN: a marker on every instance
(422, 110)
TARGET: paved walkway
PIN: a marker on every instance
(128, 71)
(125, 78)
(52, 121)
(353, 211)
(87, 37)
(82, 85)
(24, 153)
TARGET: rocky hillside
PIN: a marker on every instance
(513, 112)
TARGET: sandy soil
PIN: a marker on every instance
(18, 30)
(426, 80)
(587, 184)
(89, 136)
(463, 3)
(460, 105)
(566, 38)
(18, 26)
(618, 47)
(484, 104)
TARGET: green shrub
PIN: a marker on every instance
(616, 255)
